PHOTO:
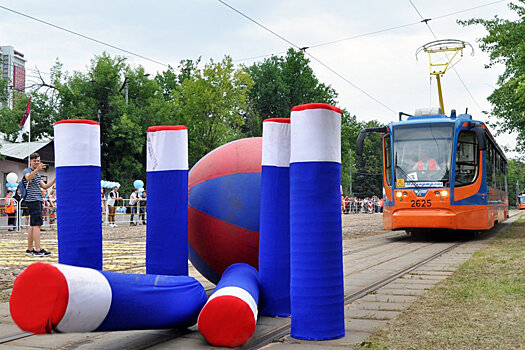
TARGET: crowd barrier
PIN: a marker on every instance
(363, 206)
(122, 215)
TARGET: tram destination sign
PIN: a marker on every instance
(423, 184)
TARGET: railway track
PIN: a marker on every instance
(283, 324)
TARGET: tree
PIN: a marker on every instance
(369, 167)
(212, 102)
(515, 174)
(280, 83)
(505, 45)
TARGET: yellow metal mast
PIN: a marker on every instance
(438, 68)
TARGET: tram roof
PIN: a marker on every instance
(435, 118)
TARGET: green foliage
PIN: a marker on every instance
(217, 101)
(506, 46)
(369, 167)
(280, 83)
(515, 173)
(212, 103)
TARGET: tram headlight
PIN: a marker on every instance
(399, 194)
(437, 193)
(444, 193)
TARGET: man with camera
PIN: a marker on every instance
(33, 183)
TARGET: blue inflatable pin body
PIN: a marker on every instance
(77, 162)
(167, 180)
(274, 232)
(317, 285)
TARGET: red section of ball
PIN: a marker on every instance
(39, 298)
(241, 156)
(227, 321)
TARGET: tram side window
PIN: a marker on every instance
(466, 159)
(490, 163)
(388, 161)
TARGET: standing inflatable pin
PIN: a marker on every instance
(274, 232)
(56, 297)
(167, 179)
(316, 287)
(77, 162)
(230, 314)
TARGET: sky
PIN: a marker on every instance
(375, 75)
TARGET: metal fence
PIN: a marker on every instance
(125, 214)
(362, 206)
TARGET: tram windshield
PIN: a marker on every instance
(422, 155)
(521, 199)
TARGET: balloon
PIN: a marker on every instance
(117, 184)
(141, 190)
(138, 184)
(11, 178)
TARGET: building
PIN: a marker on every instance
(13, 70)
(15, 157)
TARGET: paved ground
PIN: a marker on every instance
(124, 250)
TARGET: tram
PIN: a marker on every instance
(521, 201)
(441, 172)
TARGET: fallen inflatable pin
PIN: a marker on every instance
(78, 299)
(230, 315)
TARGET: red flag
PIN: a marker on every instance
(25, 123)
(26, 114)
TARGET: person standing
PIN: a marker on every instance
(143, 201)
(133, 200)
(9, 209)
(113, 197)
(33, 182)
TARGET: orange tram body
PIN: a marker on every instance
(442, 172)
(521, 202)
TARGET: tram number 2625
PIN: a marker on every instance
(421, 203)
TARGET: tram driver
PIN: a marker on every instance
(425, 162)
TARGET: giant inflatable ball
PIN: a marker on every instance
(223, 213)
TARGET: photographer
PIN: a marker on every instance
(32, 181)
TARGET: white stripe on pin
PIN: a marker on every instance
(167, 148)
(316, 134)
(77, 143)
(239, 293)
(276, 142)
(89, 299)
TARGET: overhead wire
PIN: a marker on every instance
(453, 68)
(309, 54)
(84, 36)
(380, 30)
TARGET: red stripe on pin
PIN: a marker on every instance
(166, 128)
(277, 120)
(77, 121)
(39, 298)
(227, 321)
(316, 106)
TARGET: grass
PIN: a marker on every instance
(482, 306)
